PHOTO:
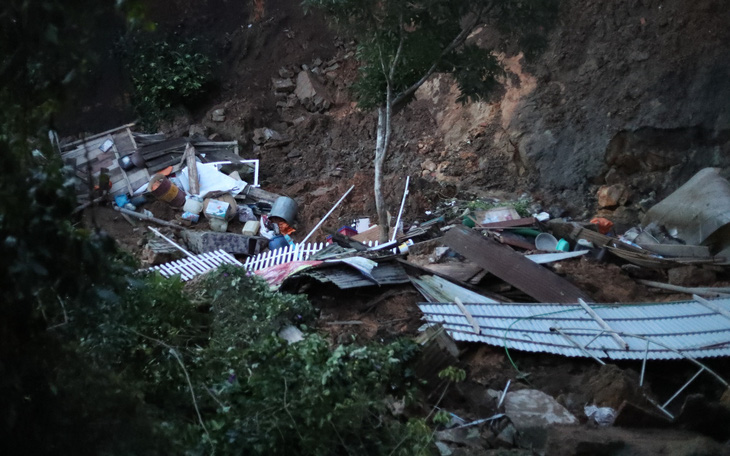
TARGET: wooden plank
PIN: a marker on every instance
(124, 143)
(257, 194)
(163, 148)
(81, 152)
(124, 173)
(517, 240)
(512, 267)
(98, 135)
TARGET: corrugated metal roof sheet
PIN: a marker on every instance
(686, 326)
(347, 277)
(436, 289)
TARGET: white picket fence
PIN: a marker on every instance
(296, 252)
(196, 265)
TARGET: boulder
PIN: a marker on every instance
(310, 88)
(262, 135)
(285, 85)
(532, 408)
(218, 115)
(612, 195)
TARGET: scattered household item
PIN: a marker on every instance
(245, 214)
(251, 228)
(562, 246)
(546, 242)
(284, 208)
(138, 201)
(602, 416)
(278, 242)
(604, 225)
(497, 214)
(193, 204)
(211, 180)
(191, 217)
(121, 200)
(218, 224)
(215, 209)
(126, 163)
(166, 191)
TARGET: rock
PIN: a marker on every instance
(725, 399)
(707, 417)
(197, 130)
(632, 415)
(218, 115)
(532, 408)
(336, 173)
(332, 68)
(464, 436)
(295, 153)
(308, 87)
(286, 73)
(691, 276)
(429, 165)
(612, 195)
(262, 135)
(611, 386)
(506, 438)
(317, 62)
(283, 85)
(444, 449)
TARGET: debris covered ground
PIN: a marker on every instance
(473, 261)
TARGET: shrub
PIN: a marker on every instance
(165, 74)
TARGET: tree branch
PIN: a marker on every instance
(456, 42)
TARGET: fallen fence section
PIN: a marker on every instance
(686, 329)
(296, 252)
(196, 265)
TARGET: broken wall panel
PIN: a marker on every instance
(512, 267)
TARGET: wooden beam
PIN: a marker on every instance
(98, 135)
(512, 267)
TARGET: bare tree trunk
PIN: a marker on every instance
(381, 150)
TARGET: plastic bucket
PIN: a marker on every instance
(166, 191)
(546, 242)
(278, 242)
(284, 208)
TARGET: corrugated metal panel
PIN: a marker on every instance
(347, 277)
(687, 326)
(436, 289)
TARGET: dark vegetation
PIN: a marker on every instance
(96, 359)
(166, 73)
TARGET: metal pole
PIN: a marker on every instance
(400, 212)
(173, 243)
(621, 343)
(327, 215)
(577, 345)
(702, 369)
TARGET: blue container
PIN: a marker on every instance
(278, 242)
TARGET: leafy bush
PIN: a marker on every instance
(165, 74)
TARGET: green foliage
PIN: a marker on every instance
(165, 74)
(453, 374)
(423, 32)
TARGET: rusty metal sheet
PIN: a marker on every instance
(512, 267)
